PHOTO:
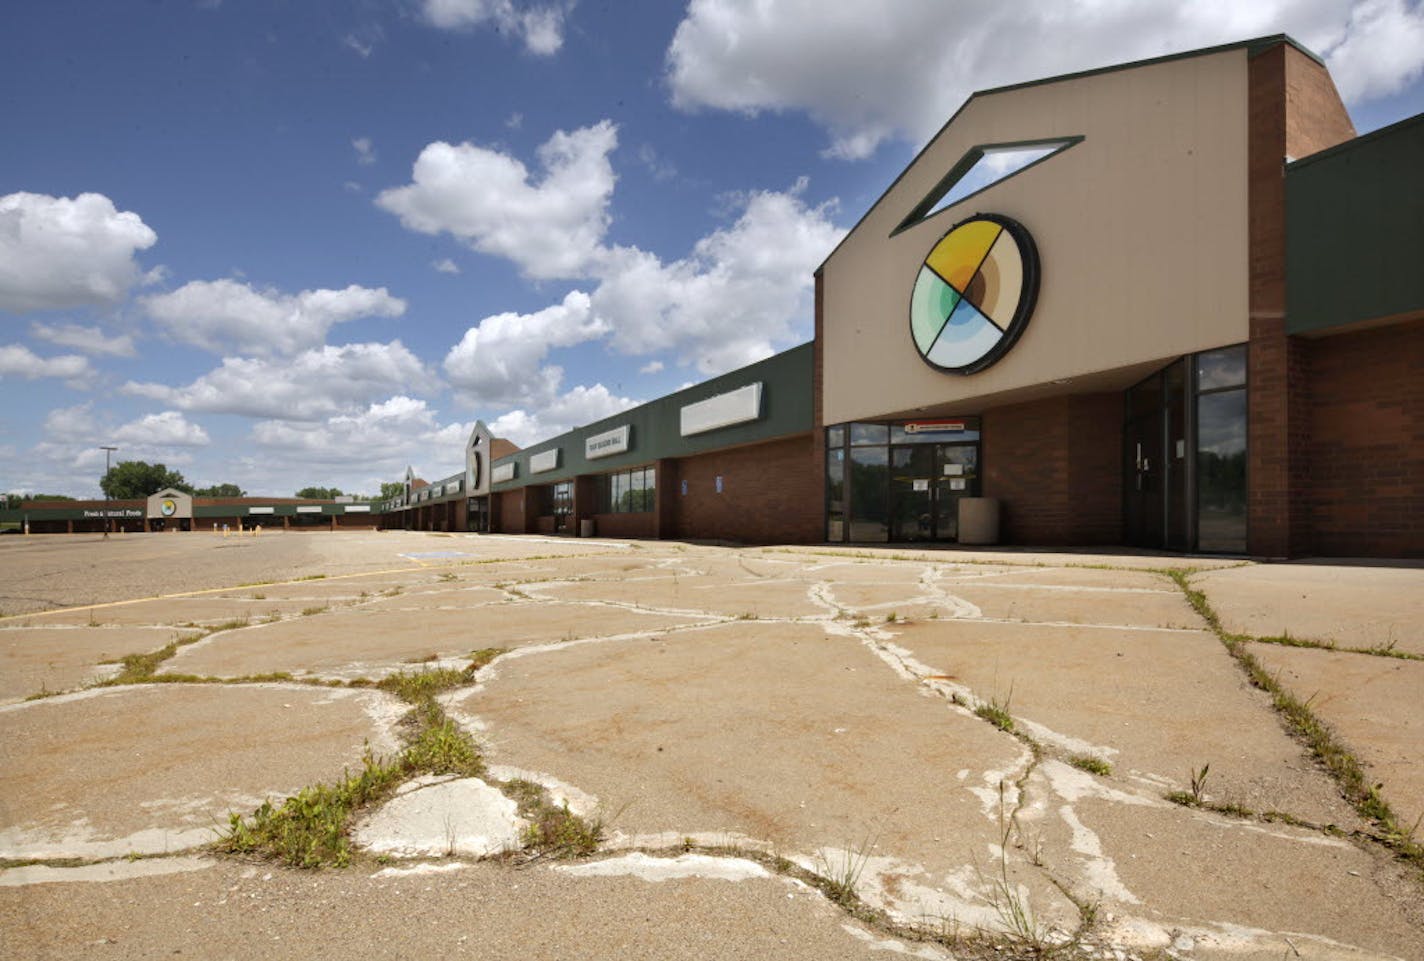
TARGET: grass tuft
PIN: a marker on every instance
(554, 830)
(996, 713)
(311, 828)
(1091, 763)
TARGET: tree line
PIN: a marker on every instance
(136, 479)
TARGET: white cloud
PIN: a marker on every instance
(17, 360)
(309, 386)
(485, 198)
(61, 252)
(222, 315)
(900, 68)
(91, 340)
(500, 361)
(446, 266)
(69, 455)
(651, 367)
(71, 424)
(356, 451)
(365, 153)
(168, 429)
(541, 28)
(1381, 50)
(580, 406)
(743, 292)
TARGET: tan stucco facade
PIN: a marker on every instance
(182, 505)
(1141, 230)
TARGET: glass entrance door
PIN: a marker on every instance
(926, 483)
(956, 476)
(1155, 462)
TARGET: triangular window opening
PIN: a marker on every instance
(981, 168)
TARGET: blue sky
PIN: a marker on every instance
(291, 243)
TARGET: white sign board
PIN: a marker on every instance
(545, 460)
(261, 510)
(358, 508)
(308, 509)
(503, 472)
(734, 407)
(607, 444)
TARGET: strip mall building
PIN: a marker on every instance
(1194, 322)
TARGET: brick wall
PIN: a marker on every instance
(1294, 110)
(770, 494)
(1366, 450)
(1054, 466)
(507, 512)
(641, 525)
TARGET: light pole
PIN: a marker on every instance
(108, 521)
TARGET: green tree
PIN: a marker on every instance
(132, 479)
(391, 489)
(319, 493)
(15, 500)
(220, 490)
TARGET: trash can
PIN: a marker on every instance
(978, 520)
(586, 527)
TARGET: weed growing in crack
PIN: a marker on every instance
(1195, 795)
(839, 875)
(311, 828)
(554, 830)
(309, 611)
(996, 713)
(1091, 763)
(1317, 736)
(1014, 911)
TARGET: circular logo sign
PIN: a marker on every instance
(168, 507)
(974, 294)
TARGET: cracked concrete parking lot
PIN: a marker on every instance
(399, 745)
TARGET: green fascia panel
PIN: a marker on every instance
(656, 427)
(1355, 230)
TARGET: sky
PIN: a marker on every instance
(282, 243)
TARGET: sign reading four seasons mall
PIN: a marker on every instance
(974, 294)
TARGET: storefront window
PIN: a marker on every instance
(866, 434)
(869, 493)
(628, 492)
(1221, 471)
(835, 494)
(1221, 368)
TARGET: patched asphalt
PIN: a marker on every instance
(718, 709)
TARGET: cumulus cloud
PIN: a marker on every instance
(358, 450)
(580, 406)
(314, 384)
(540, 27)
(166, 429)
(70, 452)
(17, 360)
(227, 315)
(91, 340)
(58, 252)
(651, 367)
(744, 291)
(500, 361)
(868, 72)
(487, 199)
(446, 266)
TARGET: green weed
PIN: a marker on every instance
(996, 713)
(1091, 763)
